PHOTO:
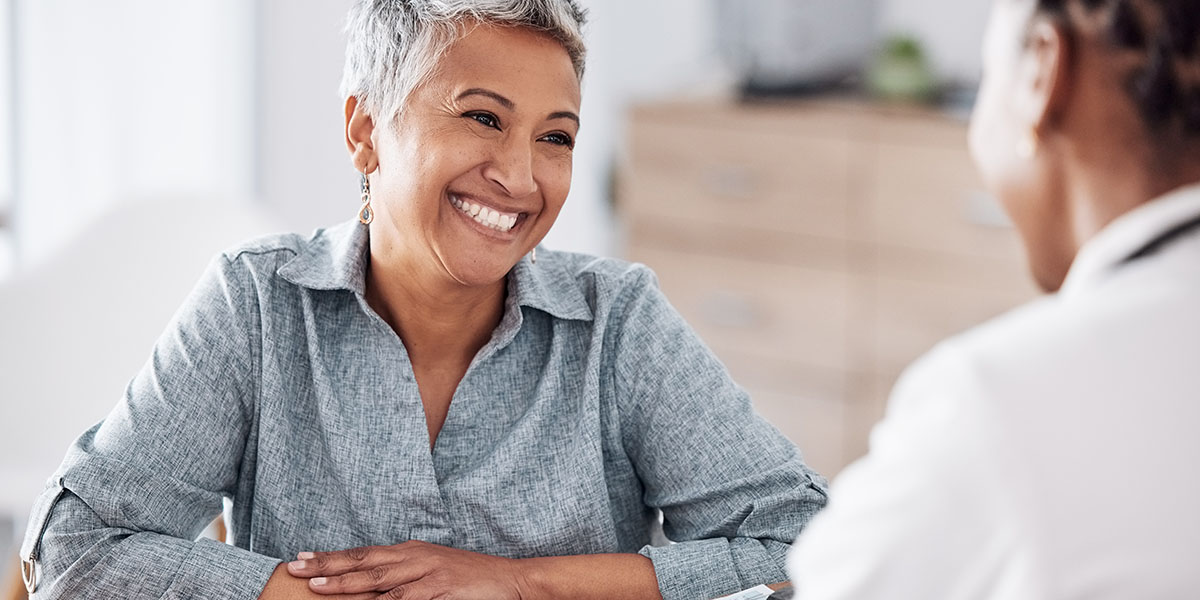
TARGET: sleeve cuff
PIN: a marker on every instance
(692, 570)
(215, 570)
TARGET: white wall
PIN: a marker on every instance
(76, 329)
(305, 176)
(128, 99)
(7, 254)
(125, 105)
(636, 50)
(6, 122)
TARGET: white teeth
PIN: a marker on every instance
(484, 215)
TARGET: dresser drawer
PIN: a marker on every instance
(723, 178)
(1006, 274)
(758, 245)
(756, 309)
(928, 196)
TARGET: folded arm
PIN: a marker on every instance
(121, 516)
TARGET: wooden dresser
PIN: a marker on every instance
(818, 247)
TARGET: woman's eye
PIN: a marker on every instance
(560, 139)
(487, 119)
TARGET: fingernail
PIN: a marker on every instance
(298, 565)
(306, 555)
(319, 580)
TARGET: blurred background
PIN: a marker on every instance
(795, 172)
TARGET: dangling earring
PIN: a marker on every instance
(1028, 146)
(533, 255)
(365, 214)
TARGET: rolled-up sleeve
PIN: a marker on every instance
(120, 517)
(734, 492)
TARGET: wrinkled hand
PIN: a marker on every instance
(411, 571)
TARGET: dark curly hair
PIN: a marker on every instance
(1165, 37)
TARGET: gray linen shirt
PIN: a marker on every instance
(592, 407)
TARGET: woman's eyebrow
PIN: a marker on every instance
(510, 105)
(564, 114)
(505, 102)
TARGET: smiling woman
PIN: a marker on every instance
(410, 404)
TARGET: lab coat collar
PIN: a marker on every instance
(1128, 234)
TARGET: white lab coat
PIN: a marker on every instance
(1053, 452)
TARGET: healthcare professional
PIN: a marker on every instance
(1053, 452)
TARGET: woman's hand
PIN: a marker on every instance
(412, 571)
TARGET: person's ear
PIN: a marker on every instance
(1045, 82)
(359, 127)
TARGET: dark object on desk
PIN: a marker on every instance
(841, 85)
(786, 593)
(778, 47)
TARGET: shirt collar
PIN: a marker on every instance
(551, 285)
(1129, 233)
(336, 258)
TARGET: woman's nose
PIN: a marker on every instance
(512, 169)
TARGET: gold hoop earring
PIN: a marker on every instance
(365, 213)
(1027, 148)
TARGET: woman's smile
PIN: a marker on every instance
(490, 221)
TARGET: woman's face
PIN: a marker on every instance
(478, 164)
(1006, 113)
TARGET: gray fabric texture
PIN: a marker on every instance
(592, 407)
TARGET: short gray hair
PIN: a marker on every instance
(394, 45)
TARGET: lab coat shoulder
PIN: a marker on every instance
(938, 459)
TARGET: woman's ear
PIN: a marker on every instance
(1045, 82)
(359, 127)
